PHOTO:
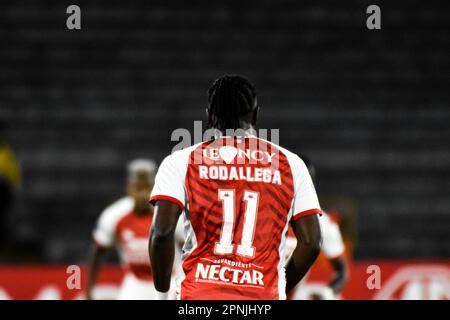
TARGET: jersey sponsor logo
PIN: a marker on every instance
(229, 272)
(134, 249)
(229, 153)
(250, 174)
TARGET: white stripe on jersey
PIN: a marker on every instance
(282, 262)
(189, 246)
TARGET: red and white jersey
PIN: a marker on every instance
(118, 225)
(238, 196)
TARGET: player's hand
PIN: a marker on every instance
(335, 284)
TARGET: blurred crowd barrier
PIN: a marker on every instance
(412, 280)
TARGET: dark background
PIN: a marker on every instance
(370, 108)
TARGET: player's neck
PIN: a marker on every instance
(142, 211)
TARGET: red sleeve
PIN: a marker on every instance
(155, 198)
(306, 213)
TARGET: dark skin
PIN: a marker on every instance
(162, 242)
(166, 215)
(94, 266)
(309, 240)
(139, 189)
(340, 276)
(339, 265)
(339, 279)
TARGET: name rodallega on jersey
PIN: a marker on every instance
(250, 174)
(212, 169)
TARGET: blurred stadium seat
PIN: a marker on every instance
(371, 109)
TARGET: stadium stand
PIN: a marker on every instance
(369, 107)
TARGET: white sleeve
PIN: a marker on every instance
(105, 230)
(305, 200)
(169, 182)
(333, 245)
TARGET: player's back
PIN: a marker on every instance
(240, 194)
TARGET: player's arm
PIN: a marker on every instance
(340, 276)
(334, 249)
(94, 266)
(162, 244)
(309, 240)
(104, 237)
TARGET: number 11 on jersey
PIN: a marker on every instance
(226, 246)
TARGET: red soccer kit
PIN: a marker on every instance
(238, 196)
(120, 226)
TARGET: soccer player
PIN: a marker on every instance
(126, 224)
(238, 193)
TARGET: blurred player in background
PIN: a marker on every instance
(333, 252)
(126, 224)
(238, 194)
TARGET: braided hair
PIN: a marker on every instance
(229, 99)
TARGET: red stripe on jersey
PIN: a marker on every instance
(168, 198)
(306, 213)
(205, 191)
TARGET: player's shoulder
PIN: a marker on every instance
(181, 156)
(117, 210)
